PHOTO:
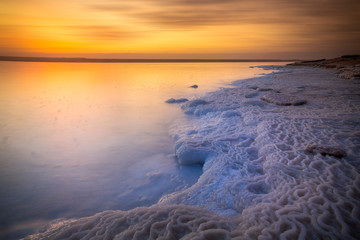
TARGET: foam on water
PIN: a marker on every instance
(260, 180)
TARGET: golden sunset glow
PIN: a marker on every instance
(179, 28)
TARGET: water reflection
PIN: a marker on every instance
(79, 138)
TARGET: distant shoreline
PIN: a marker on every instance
(117, 60)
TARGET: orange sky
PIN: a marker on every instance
(180, 28)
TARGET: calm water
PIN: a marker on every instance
(79, 138)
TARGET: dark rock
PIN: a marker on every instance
(330, 66)
(299, 102)
(350, 56)
(313, 61)
(325, 150)
(194, 86)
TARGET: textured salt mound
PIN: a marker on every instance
(282, 99)
(170, 222)
(349, 73)
(326, 150)
(173, 100)
(255, 168)
(194, 103)
(348, 66)
(191, 107)
(260, 173)
(230, 113)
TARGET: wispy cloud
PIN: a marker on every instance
(317, 22)
(103, 32)
(191, 13)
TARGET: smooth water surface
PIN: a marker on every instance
(79, 138)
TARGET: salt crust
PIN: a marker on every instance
(259, 182)
(282, 99)
(179, 100)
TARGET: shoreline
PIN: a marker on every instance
(268, 165)
(347, 66)
(130, 60)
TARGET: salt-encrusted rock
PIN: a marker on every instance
(230, 113)
(264, 89)
(173, 100)
(282, 99)
(349, 73)
(194, 107)
(251, 95)
(200, 111)
(326, 150)
(254, 103)
(194, 103)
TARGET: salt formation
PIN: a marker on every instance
(179, 100)
(282, 99)
(169, 222)
(269, 170)
(326, 150)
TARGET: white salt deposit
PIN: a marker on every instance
(259, 180)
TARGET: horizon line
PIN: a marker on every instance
(134, 60)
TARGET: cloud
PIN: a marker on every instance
(308, 24)
(244, 25)
(191, 14)
(103, 32)
(88, 32)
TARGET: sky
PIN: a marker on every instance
(277, 29)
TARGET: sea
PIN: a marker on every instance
(80, 138)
